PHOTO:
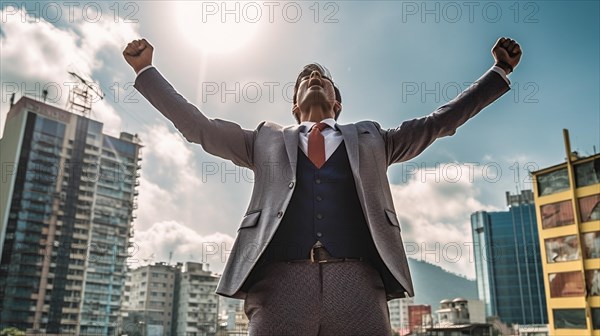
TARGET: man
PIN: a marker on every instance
(319, 250)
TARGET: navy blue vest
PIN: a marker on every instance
(324, 207)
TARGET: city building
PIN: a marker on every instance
(531, 330)
(149, 299)
(567, 202)
(398, 309)
(460, 311)
(455, 317)
(67, 196)
(197, 308)
(508, 264)
(232, 319)
(241, 323)
(419, 317)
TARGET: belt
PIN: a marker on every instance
(320, 255)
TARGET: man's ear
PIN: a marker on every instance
(337, 107)
(296, 112)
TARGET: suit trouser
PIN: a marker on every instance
(303, 298)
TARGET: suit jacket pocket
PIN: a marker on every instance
(393, 220)
(250, 219)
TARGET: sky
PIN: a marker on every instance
(392, 61)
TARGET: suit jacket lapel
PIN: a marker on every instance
(290, 138)
(350, 135)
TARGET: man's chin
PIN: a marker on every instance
(315, 98)
(325, 106)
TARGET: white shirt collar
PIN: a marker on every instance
(309, 124)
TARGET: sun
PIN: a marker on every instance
(214, 27)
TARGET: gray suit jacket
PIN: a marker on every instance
(271, 152)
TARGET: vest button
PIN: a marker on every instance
(291, 185)
(319, 234)
(319, 198)
(319, 216)
(279, 214)
(318, 181)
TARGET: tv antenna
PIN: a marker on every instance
(80, 98)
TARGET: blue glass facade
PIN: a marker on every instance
(508, 264)
(68, 222)
(30, 211)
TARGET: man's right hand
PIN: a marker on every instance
(138, 54)
(507, 53)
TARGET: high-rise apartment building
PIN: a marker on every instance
(508, 264)
(567, 201)
(197, 308)
(66, 201)
(398, 309)
(230, 311)
(149, 299)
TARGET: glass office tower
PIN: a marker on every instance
(66, 205)
(508, 265)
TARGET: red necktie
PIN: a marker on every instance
(316, 145)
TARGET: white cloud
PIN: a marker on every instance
(105, 113)
(155, 244)
(168, 180)
(434, 208)
(171, 196)
(167, 147)
(171, 187)
(37, 54)
(155, 204)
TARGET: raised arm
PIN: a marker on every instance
(218, 137)
(413, 136)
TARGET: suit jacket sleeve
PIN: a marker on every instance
(413, 136)
(218, 137)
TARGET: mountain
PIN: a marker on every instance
(433, 284)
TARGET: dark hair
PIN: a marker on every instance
(307, 70)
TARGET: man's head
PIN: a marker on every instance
(314, 85)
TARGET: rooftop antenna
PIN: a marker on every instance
(80, 99)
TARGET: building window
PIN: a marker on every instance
(589, 208)
(557, 214)
(569, 319)
(566, 284)
(587, 173)
(591, 244)
(596, 318)
(592, 282)
(562, 249)
(553, 182)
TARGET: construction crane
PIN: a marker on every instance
(80, 99)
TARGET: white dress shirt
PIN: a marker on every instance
(332, 135)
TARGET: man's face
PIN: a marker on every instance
(313, 89)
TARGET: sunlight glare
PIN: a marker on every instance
(207, 29)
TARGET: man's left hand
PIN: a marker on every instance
(507, 52)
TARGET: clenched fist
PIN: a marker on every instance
(507, 54)
(138, 54)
